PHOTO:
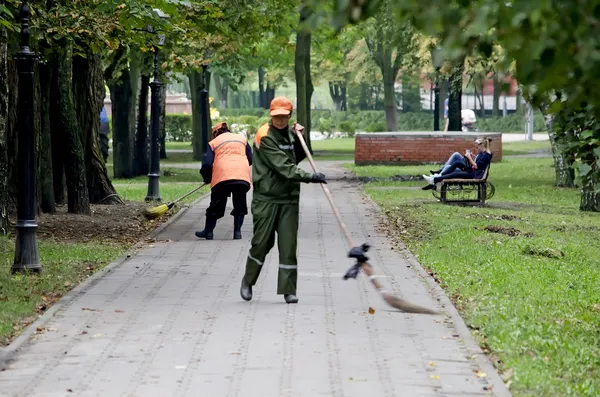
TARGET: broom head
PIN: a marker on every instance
(405, 306)
(156, 212)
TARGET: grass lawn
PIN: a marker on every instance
(524, 147)
(523, 271)
(168, 192)
(65, 266)
(178, 145)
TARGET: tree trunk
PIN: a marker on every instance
(304, 86)
(590, 198)
(389, 95)
(565, 175)
(89, 92)
(496, 101)
(195, 78)
(57, 138)
(4, 224)
(45, 169)
(77, 188)
(162, 120)
(11, 134)
(123, 106)
(454, 102)
(140, 154)
(223, 90)
(337, 90)
(261, 89)
(269, 94)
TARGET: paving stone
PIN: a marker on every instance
(169, 321)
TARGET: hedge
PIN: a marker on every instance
(179, 127)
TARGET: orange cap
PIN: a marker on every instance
(281, 106)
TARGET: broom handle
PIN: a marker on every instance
(193, 191)
(366, 267)
(327, 193)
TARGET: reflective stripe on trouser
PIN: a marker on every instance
(269, 219)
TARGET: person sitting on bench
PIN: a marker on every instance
(463, 167)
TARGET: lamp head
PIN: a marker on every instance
(437, 57)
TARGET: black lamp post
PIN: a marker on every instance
(204, 110)
(436, 60)
(26, 247)
(155, 86)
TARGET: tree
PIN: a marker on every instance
(388, 43)
(304, 85)
(3, 127)
(552, 43)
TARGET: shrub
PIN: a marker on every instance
(348, 127)
(376, 127)
(178, 127)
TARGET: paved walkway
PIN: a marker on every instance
(169, 321)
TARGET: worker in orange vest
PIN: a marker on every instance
(226, 167)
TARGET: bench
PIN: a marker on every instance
(463, 190)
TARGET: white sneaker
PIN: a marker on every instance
(429, 179)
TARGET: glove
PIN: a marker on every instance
(318, 178)
(359, 253)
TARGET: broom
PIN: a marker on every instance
(155, 212)
(358, 253)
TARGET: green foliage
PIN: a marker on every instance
(372, 121)
(178, 127)
(552, 43)
(580, 130)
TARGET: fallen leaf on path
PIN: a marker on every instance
(432, 363)
(480, 373)
(371, 310)
(119, 311)
(436, 377)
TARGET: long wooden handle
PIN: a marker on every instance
(327, 193)
(365, 266)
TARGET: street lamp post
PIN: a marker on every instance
(204, 112)
(437, 60)
(26, 247)
(155, 86)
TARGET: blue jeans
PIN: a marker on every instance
(455, 161)
(454, 173)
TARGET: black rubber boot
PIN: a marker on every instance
(290, 298)
(207, 233)
(238, 221)
(432, 172)
(246, 290)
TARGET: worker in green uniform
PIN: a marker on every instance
(276, 180)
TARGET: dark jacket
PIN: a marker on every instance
(276, 176)
(483, 161)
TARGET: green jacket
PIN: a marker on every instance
(276, 176)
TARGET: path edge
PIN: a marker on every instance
(499, 389)
(8, 352)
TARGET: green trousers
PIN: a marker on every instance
(268, 219)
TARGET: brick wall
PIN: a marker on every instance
(402, 148)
